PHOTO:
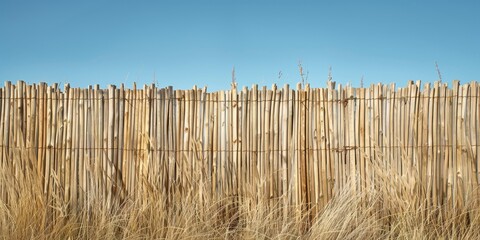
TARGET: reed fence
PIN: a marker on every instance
(280, 145)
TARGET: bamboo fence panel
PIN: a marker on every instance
(275, 146)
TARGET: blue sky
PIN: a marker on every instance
(183, 43)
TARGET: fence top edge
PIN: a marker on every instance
(330, 86)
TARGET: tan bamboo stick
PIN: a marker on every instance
(361, 138)
(458, 161)
(466, 160)
(455, 128)
(375, 157)
(3, 131)
(28, 133)
(68, 147)
(272, 150)
(409, 125)
(80, 156)
(435, 143)
(161, 139)
(402, 131)
(142, 144)
(262, 143)
(254, 144)
(3, 157)
(74, 170)
(121, 142)
(89, 145)
(390, 138)
(284, 134)
(309, 162)
(11, 135)
(136, 143)
(331, 143)
(226, 147)
(100, 136)
(203, 139)
(334, 125)
(276, 183)
(474, 133)
(230, 174)
(222, 144)
(462, 151)
(210, 124)
(414, 131)
(243, 142)
(268, 145)
(238, 110)
(325, 160)
(430, 158)
(316, 153)
(342, 128)
(444, 157)
(152, 139)
(55, 141)
(291, 146)
(190, 135)
(476, 96)
(129, 137)
(222, 164)
(218, 160)
(178, 137)
(394, 140)
(357, 147)
(62, 137)
(233, 140)
(105, 112)
(4, 96)
(110, 144)
(132, 104)
(170, 126)
(244, 154)
(469, 150)
(199, 147)
(380, 91)
(302, 146)
(48, 137)
(94, 158)
(448, 149)
(216, 143)
(17, 126)
(187, 142)
(40, 128)
(153, 166)
(350, 136)
(16, 157)
(143, 140)
(425, 159)
(135, 116)
(368, 136)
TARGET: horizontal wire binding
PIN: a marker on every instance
(337, 149)
(242, 100)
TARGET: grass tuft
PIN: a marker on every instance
(395, 207)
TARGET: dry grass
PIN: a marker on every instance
(396, 208)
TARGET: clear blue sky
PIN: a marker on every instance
(184, 43)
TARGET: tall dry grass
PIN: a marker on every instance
(395, 208)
